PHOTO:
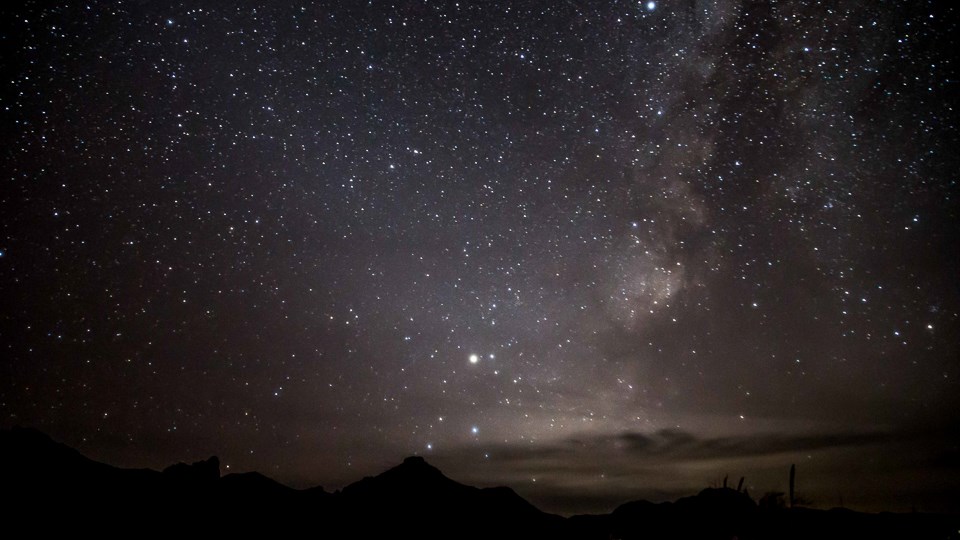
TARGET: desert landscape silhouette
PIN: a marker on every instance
(52, 488)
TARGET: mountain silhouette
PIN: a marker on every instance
(50, 488)
(412, 494)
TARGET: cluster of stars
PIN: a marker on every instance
(367, 231)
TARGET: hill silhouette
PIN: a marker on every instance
(52, 488)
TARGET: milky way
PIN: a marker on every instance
(592, 250)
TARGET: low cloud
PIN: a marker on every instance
(681, 446)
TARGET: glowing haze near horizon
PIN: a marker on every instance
(595, 251)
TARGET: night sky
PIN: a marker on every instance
(595, 251)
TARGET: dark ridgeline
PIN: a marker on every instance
(49, 488)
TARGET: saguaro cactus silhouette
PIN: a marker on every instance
(793, 477)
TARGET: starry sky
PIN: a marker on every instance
(595, 251)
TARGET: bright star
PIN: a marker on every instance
(474, 359)
(651, 6)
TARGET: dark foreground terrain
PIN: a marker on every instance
(49, 488)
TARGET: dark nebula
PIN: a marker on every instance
(595, 251)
